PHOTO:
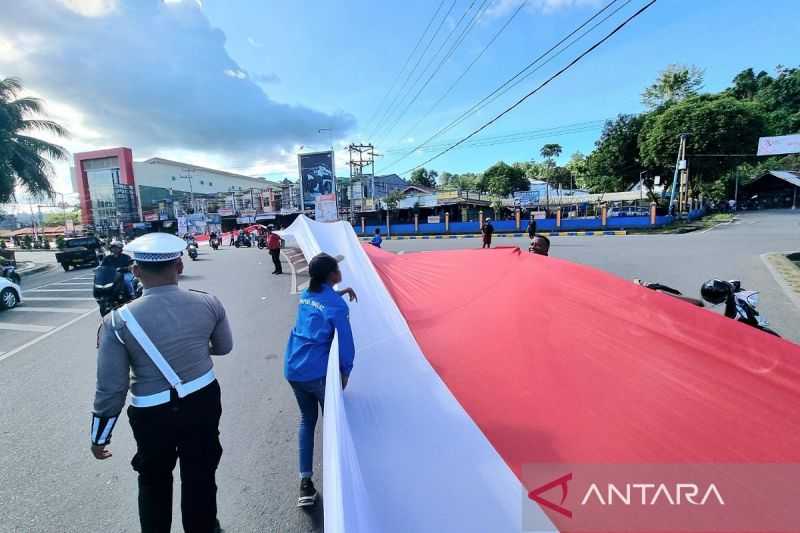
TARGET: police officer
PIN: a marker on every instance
(164, 340)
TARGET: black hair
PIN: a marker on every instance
(155, 268)
(377, 231)
(320, 267)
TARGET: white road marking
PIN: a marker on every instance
(69, 283)
(24, 327)
(54, 298)
(57, 290)
(301, 270)
(46, 335)
(52, 310)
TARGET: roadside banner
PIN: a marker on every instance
(317, 176)
(783, 144)
(325, 208)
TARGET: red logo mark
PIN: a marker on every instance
(536, 495)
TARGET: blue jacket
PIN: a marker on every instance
(376, 241)
(318, 315)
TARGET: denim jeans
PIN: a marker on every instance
(308, 394)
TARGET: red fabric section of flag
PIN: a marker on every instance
(559, 362)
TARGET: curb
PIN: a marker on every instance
(476, 236)
(34, 270)
(785, 273)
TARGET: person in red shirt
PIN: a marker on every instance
(274, 247)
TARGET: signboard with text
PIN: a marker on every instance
(783, 144)
(325, 208)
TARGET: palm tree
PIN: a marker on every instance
(24, 159)
(549, 152)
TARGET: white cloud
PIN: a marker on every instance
(254, 43)
(90, 8)
(504, 7)
(266, 78)
(235, 73)
(152, 76)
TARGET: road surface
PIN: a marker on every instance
(50, 483)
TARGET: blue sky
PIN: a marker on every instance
(242, 84)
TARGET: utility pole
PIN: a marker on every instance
(188, 176)
(362, 156)
(680, 179)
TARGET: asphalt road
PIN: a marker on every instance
(48, 479)
(50, 483)
(728, 251)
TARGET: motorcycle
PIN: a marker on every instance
(10, 273)
(243, 240)
(214, 243)
(192, 250)
(740, 304)
(262, 242)
(109, 288)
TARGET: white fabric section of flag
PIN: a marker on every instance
(400, 454)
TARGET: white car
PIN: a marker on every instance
(10, 294)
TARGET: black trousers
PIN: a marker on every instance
(185, 429)
(276, 260)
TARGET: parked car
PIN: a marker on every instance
(80, 251)
(10, 294)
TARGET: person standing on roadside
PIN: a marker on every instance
(274, 247)
(160, 346)
(488, 231)
(532, 228)
(321, 313)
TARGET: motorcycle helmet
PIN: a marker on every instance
(116, 243)
(715, 291)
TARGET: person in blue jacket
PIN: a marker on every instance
(322, 311)
(377, 239)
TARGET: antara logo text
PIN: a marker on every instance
(640, 494)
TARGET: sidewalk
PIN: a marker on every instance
(519, 234)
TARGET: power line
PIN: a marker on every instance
(478, 105)
(466, 70)
(537, 89)
(579, 127)
(408, 60)
(390, 109)
(460, 39)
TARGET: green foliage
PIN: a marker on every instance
(502, 179)
(57, 218)
(550, 151)
(674, 84)
(393, 199)
(778, 97)
(716, 124)
(24, 159)
(443, 179)
(60, 242)
(616, 153)
(424, 178)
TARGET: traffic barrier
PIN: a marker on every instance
(475, 236)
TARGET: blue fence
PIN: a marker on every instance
(546, 225)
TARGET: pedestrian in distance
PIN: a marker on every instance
(274, 247)
(377, 239)
(488, 231)
(321, 312)
(160, 347)
(531, 228)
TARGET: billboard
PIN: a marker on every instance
(784, 144)
(317, 176)
(325, 208)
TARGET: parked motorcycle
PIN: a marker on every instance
(740, 304)
(109, 288)
(192, 250)
(9, 272)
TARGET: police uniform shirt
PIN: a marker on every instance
(186, 326)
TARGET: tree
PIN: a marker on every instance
(616, 153)
(424, 178)
(550, 151)
(674, 84)
(464, 182)
(716, 124)
(779, 97)
(57, 218)
(23, 158)
(502, 179)
(444, 179)
(392, 200)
